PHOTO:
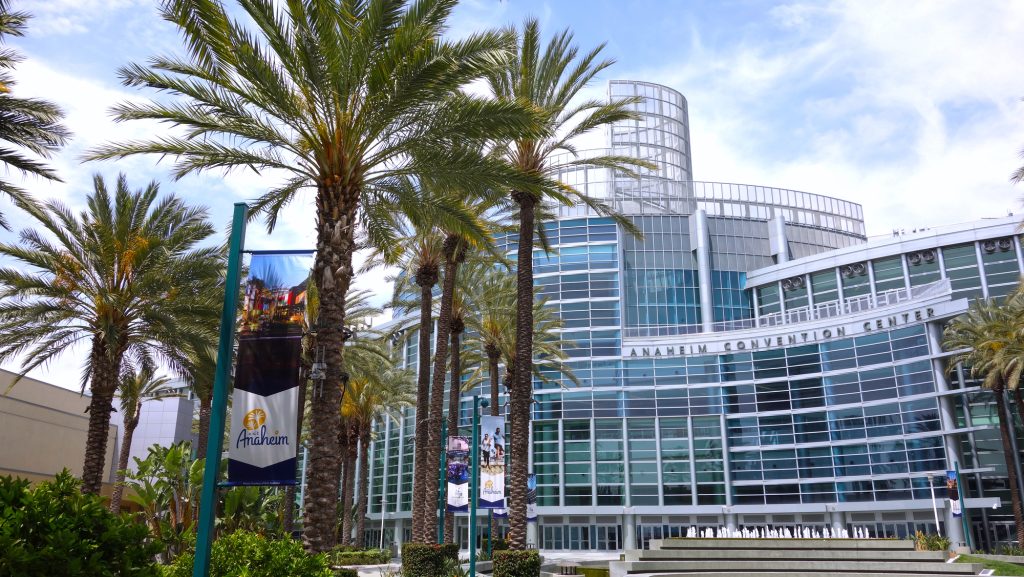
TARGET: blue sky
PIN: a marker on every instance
(910, 108)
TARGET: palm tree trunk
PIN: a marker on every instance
(521, 392)
(364, 487)
(205, 409)
(1004, 430)
(122, 460)
(421, 461)
(348, 490)
(1019, 401)
(103, 386)
(288, 523)
(454, 395)
(332, 272)
(444, 326)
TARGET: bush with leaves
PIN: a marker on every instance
(427, 560)
(245, 554)
(53, 529)
(349, 556)
(165, 485)
(517, 563)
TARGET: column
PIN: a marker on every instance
(628, 529)
(947, 416)
(777, 242)
(701, 244)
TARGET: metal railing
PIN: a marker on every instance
(852, 305)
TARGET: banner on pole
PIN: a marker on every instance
(531, 498)
(492, 462)
(458, 474)
(264, 404)
(952, 487)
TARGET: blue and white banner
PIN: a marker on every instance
(264, 405)
(492, 462)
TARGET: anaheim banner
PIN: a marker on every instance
(492, 462)
(264, 404)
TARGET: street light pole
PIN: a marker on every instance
(381, 546)
(935, 506)
(474, 480)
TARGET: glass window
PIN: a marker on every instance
(888, 274)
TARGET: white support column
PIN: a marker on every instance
(628, 529)
(778, 244)
(947, 416)
(981, 270)
(701, 243)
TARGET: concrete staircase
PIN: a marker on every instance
(783, 557)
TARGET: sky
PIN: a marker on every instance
(911, 108)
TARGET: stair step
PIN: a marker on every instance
(795, 566)
(788, 573)
(816, 544)
(790, 554)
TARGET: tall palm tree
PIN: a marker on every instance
(492, 295)
(980, 335)
(126, 277)
(26, 124)
(136, 386)
(346, 99)
(419, 256)
(549, 79)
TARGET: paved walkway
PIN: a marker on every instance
(391, 569)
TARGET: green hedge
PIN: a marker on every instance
(593, 571)
(53, 529)
(245, 554)
(346, 573)
(359, 557)
(517, 563)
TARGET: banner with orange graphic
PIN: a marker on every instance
(263, 437)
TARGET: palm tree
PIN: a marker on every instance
(492, 295)
(199, 372)
(418, 256)
(348, 99)
(376, 390)
(978, 338)
(135, 387)
(126, 277)
(26, 124)
(363, 355)
(550, 80)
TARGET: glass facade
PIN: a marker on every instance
(807, 414)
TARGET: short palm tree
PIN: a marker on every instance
(26, 124)
(550, 79)
(348, 100)
(979, 338)
(199, 372)
(376, 391)
(126, 277)
(136, 387)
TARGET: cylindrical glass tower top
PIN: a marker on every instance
(662, 133)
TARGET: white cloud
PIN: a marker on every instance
(906, 108)
(63, 17)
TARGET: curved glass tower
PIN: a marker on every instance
(754, 359)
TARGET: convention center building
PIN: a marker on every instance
(756, 360)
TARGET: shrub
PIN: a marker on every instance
(593, 571)
(359, 557)
(252, 555)
(517, 563)
(930, 542)
(54, 529)
(346, 573)
(427, 559)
